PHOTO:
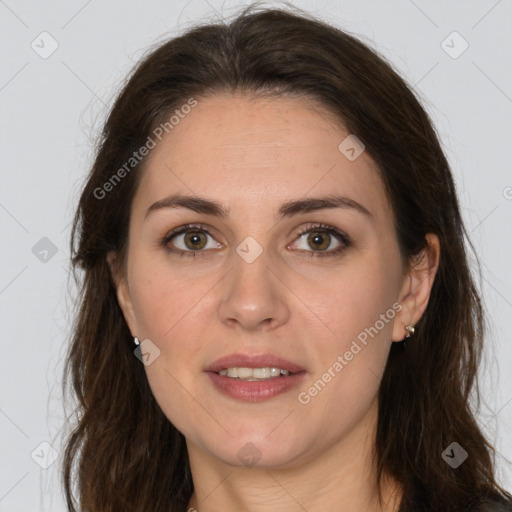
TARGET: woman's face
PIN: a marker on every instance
(249, 287)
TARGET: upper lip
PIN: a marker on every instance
(254, 361)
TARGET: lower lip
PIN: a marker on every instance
(255, 391)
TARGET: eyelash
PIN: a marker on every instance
(339, 235)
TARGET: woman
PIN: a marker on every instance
(277, 311)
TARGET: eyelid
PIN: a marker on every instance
(326, 228)
(342, 237)
(182, 230)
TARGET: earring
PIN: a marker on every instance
(409, 330)
(136, 341)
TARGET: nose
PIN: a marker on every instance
(254, 296)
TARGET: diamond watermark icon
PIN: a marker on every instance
(44, 45)
(147, 352)
(351, 147)
(44, 455)
(249, 249)
(454, 455)
(454, 45)
(249, 455)
(44, 250)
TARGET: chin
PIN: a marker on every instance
(257, 452)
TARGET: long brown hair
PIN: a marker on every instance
(123, 453)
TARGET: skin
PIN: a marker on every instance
(252, 155)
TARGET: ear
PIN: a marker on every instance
(122, 291)
(416, 287)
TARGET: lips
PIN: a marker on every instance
(254, 390)
(256, 361)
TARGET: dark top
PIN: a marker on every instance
(489, 504)
(494, 505)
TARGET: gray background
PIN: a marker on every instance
(51, 109)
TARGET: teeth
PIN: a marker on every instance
(259, 373)
(252, 374)
(232, 372)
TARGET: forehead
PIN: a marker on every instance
(240, 150)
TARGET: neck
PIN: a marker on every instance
(340, 478)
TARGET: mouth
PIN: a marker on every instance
(263, 366)
(254, 378)
(254, 374)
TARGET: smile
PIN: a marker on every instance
(252, 374)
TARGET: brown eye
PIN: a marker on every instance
(190, 240)
(319, 240)
(195, 240)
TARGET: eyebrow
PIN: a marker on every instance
(288, 209)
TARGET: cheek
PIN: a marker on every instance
(161, 299)
(355, 300)
(359, 309)
(169, 312)
(170, 317)
(153, 306)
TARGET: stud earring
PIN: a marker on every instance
(136, 341)
(409, 330)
